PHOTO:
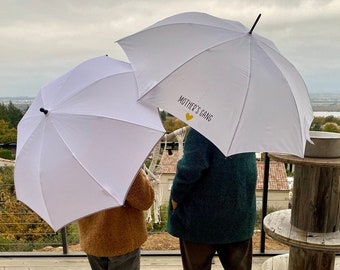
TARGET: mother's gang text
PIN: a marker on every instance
(195, 108)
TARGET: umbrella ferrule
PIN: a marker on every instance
(44, 111)
(257, 19)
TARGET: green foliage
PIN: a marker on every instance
(10, 114)
(159, 227)
(7, 134)
(6, 154)
(331, 127)
(21, 229)
(330, 119)
(9, 119)
(289, 173)
(171, 124)
(326, 124)
(317, 124)
(72, 233)
(14, 115)
(4, 113)
(163, 115)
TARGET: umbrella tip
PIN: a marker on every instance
(257, 19)
(44, 111)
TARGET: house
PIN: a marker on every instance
(278, 185)
(278, 188)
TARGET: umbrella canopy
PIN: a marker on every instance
(82, 142)
(231, 85)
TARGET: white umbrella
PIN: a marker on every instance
(228, 83)
(82, 141)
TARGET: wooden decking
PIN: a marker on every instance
(159, 262)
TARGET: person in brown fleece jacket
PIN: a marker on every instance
(112, 238)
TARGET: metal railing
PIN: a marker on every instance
(22, 230)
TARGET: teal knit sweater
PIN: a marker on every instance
(215, 194)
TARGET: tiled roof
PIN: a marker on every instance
(277, 172)
(277, 176)
(169, 163)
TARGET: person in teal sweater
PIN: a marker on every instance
(213, 205)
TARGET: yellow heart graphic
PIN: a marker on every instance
(189, 116)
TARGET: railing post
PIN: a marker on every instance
(264, 200)
(64, 240)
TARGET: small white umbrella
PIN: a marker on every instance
(82, 141)
(228, 83)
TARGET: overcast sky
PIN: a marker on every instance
(40, 40)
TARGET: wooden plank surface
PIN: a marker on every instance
(281, 262)
(325, 162)
(75, 263)
(316, 198)
(277, 225)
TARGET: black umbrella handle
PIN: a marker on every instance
(251, 30)
(44, 111)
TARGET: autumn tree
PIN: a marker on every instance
(7, 134)
(331, 127)
(10, 114)
(317, 123)
(17, 221)
(9, 119)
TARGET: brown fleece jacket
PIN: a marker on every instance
(120, 230)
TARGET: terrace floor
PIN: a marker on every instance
(73, 263)
(149, 261)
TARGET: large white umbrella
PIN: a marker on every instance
(230, 84)
(82, 141)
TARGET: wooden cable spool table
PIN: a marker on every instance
(311, 227)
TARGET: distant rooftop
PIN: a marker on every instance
(277, 176)
(277, 172)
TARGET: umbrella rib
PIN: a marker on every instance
(245, 98)
(66, 80)
(40, 159)
(75, 93)
(283, 76)
(248, 84)
(110, 118)
(75, 158)
(91, 83)
(270, 48)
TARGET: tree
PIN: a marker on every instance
(17, 222)
(10, 114)
(22, 229)
(317, 123)
(14, 114)
(163, 115)
(4, 112)
(330, 119)
(331, 127)
(7, 134)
